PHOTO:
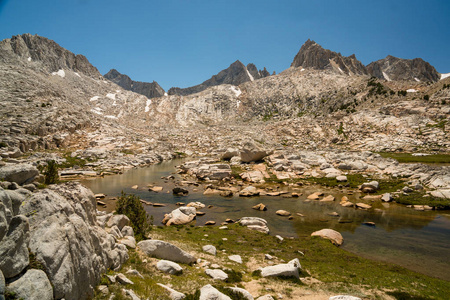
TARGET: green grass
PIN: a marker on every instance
(338, 269)
(417, 198)
(409, 158)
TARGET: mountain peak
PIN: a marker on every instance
(52, 56)
(312, 55)
(236, 74)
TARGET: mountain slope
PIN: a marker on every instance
(393, 68)
(312, 55)
(235, 74)
(148, 89)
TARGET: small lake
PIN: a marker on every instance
(417, 240)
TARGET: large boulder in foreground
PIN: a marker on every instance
(33, 285)
(66, 239)
(20, 173)
(251, 153)
(180, 216)
(165, 250)
(330, 234)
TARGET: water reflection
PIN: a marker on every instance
(418, 240)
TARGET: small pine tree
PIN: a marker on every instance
(51, 172)
(131, 206)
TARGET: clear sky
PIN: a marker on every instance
(182, 43)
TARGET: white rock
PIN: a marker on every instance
(122, 279)
(210, 249)
(174, 295)
(165, 250)
(244, 293)
(119, 220)
(344, 297)
(330, 234)
(134, 273)
(235, 258)
(169, 267)
(131, 294)
(180, 216)
(216, 274)
(208, 292)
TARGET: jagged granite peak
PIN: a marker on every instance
(236, 74)
(312, 55)
(52, 56)
(394, 68)
(148, 89)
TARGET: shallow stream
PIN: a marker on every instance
(417, 240)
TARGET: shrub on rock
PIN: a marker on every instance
(131, 206)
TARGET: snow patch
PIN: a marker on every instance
(110, 117)
(411, 91)
(77, 74)
(60, 73)
(29, 58)
(96, 111)
(111, 96)
(443, 76)
(147, 106)
(238, 103)
(340, 70)
(249, 75)
(165, 94)
(302, 70)
(95, 98)
(416, 79)
(236, 90)
(386, 76)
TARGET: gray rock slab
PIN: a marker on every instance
(20, 173)
(169, 267)
(34, 284)
(165, 250)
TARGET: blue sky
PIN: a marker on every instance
(182, 43)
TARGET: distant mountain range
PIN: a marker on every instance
(311, 55)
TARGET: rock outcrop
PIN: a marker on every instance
(19, 173)
(312, 55)
(65, 238)
(330, 234)
(236, 74)
(148, 89)
(34, 284)
(394, 68)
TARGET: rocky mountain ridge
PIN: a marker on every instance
(312, 55)
(236, 74)
(148, 89)
(393, 68)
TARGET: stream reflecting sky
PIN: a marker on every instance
(418, 240)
